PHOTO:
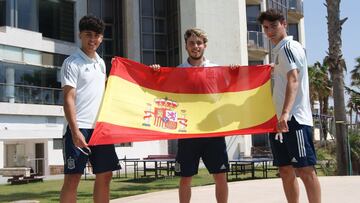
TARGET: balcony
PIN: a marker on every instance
(258, 45)
(295, 10)
(30, 94)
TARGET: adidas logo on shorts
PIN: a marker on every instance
(223, 167)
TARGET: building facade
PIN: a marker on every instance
(37, 35)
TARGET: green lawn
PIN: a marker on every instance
(48, 191)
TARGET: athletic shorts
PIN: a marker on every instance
(103, 158)
(211, 150)
(297, 148)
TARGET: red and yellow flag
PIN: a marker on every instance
(142, 104)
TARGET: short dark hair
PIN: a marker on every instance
(92, 23)
(271, 15)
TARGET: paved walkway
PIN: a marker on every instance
(335, 189)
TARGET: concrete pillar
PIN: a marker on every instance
(132, 30)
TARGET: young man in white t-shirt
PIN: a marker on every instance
(83, 77)
(212, 150)
(293, 149)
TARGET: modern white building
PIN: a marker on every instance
(37, 35)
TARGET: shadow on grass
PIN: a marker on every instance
(49, 195)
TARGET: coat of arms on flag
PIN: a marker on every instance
(165, 115)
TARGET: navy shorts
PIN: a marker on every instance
(103, 158)
(297, 148)
(211, 150)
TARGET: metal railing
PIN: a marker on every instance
(296, 5)
(30, 94)
(257, 40)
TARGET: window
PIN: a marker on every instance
(27, 12)
(2, 12)
(252, 12)
(280, 5)
(53, 18)
(57, 143)
(159, 32)
(56, 19)
(31, 84)
(110, 12)
(293, 30)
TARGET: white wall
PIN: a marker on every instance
(2, 154)
(225, 24)
(13, 127)
(143, 149)
(34, 40)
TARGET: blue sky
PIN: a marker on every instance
(316, 32)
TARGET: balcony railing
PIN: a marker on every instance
(30, 94)
(296, 6)
(257, 41)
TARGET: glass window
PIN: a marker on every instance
(147, 25)
(293, 30)
(32, 56)
(2, 12)
(160, 42)
(148, 57)
(147, 7)
(56, 19)
(53, 59)
(160, 26)
(148, 41)
(252, 12)
(94, 7)
(160, 32)
(161, 58)
(160, 8)
(11, 53)
(27, 11)
(109, 11)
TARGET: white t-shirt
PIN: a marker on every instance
(88, 77)
(206, 63)
(290, 55)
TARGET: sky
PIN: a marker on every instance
(316, 37)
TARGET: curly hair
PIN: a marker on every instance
(271, 15)
(92, 23)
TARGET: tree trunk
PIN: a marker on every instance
(337, 67)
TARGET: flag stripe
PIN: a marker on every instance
(192, 80)
(108, 133)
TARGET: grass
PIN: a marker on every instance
(48, 191)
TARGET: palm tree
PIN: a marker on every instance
(336, 67)
(355, 74)
(320, 89)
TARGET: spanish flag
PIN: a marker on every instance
(141, 104)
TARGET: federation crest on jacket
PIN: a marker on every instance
(163, 113)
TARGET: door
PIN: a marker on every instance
(39, 158)
(10, 155)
